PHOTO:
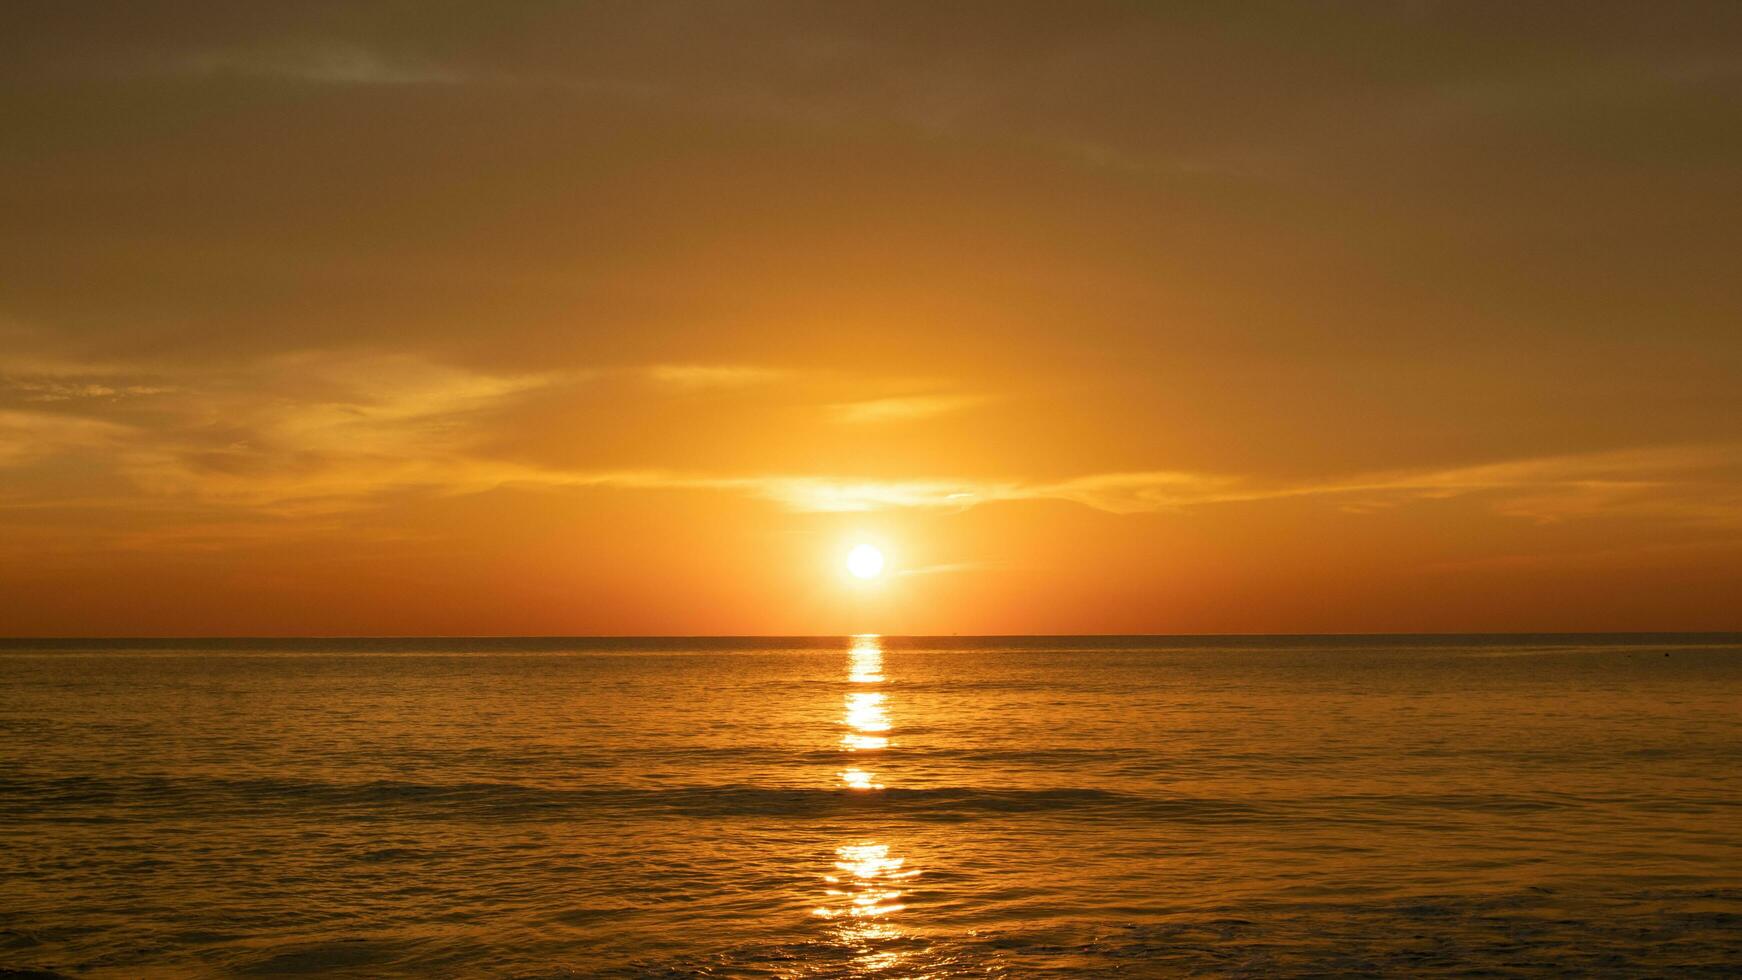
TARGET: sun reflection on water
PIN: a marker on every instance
(865, 879)
(865, 660)
(856, 778)
(864, 887)
(867, 717)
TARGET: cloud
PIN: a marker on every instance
(824, 494)
(330, 63)
(59, 390)
(1701, 484)
(702, 376)
(28, 437)
(950, 568)
(283, 432)
(908, 408)
(1132, 493)
(322, 433)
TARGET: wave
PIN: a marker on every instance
(119, 799)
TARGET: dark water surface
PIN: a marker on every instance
(871, 807)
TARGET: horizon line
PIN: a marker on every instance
(817, 636)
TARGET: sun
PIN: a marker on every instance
(865, 561)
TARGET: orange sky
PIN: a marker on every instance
(632, 318)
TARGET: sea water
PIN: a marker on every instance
(873, 807)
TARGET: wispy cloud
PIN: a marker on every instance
(825, 494)
(951, 568)
(322, 433)
(29, 436)
(330, 63)
(907, 408)
(702, 376)
(1697, 483)
(1700, 484)
(1133, 493)
(60, 390)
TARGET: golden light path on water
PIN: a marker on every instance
(863, 887)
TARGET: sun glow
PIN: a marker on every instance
(865, 561)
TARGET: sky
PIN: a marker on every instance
(633, 317)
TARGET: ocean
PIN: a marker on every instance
(873, 807)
